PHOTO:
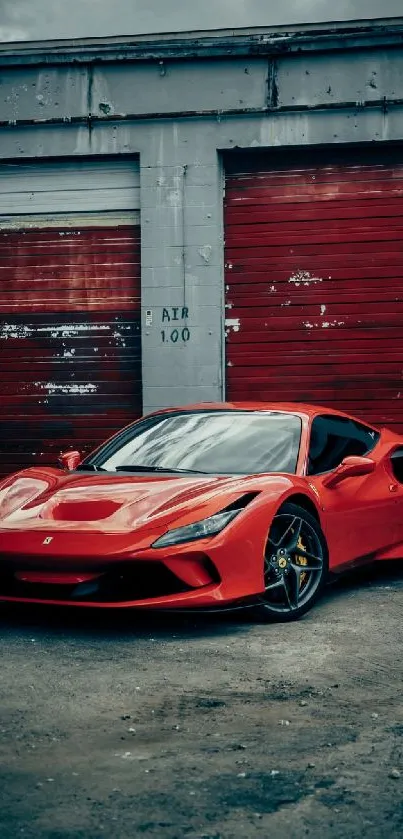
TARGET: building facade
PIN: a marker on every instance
(196, 217)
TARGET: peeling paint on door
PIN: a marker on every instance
(70, 349)
(325, 231)
(303, 278)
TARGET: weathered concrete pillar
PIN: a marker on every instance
(182, 270)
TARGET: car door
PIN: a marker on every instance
(359, 514)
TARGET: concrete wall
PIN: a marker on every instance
(179, 116)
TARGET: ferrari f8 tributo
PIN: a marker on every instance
(207, 506)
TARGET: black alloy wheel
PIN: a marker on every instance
(295, 565)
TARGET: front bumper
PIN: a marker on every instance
(115, 572)
(135, 582)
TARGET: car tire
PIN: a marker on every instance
(295, 539)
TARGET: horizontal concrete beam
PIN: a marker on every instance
(242, 42)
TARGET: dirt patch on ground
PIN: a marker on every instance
(206, 728)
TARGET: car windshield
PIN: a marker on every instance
(210, 442)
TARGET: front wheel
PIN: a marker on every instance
(295, 565)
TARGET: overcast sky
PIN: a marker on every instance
(43, 19)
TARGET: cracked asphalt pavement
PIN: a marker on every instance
(206, 727)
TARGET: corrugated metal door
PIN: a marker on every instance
(70, 361)
(314, 282)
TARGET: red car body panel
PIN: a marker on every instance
(60, 530)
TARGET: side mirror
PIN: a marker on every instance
(69, 460)
(350, 467)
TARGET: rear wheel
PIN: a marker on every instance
(295, 565)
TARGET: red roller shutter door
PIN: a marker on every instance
(70, 362)
(314, 282)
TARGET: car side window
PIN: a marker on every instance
(397, 464)
(334, 438)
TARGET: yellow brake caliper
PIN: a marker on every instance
(301, 560)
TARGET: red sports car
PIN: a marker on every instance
(207, 506)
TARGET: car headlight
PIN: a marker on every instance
(198, 530)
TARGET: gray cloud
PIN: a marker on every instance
(11, 33)
(43, 19)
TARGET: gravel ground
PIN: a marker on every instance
(122, 726)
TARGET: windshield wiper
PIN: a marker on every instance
(141, 468)
(89, 467)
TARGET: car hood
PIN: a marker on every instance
(50, 499)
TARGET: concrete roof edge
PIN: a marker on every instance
(207, 43)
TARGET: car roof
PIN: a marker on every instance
(298, 408)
